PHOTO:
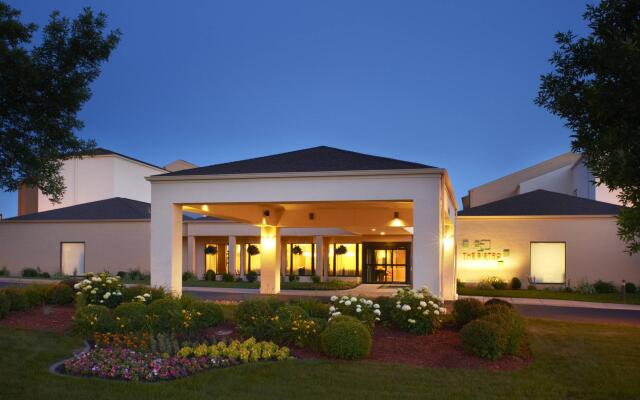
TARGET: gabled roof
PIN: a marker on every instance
(542, 202)
(109, 209)
(100, 151)
(315, 159)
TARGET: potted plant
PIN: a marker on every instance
(340, 250)
(253, 250)
(297, 250)
(210, 249)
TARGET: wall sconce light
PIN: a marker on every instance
(396, 215)
(205, 207)
(397, 222)
(312, 216)
(266, 213)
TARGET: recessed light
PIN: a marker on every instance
(373, 229)
(382, 233)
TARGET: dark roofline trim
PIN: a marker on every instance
(100, 151)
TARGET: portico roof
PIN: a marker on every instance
(314, 159)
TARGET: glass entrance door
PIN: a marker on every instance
(387, 263)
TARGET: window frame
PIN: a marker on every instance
(84, 255)
(531, 264)
(332, 271)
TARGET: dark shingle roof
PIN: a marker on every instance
(99, 151)
(543, 202)
(109, 209)
(315, 159)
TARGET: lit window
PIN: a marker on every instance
(344, 260)
(72, 258)
(548, 262)
(301, 259)
(214, 259)
(253, 258)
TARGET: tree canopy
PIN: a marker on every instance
(595, 87)
(42, 89)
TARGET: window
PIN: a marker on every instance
(344, 259)
(214, 258)
(253, 258)
(301, 259)
(72, 258)
(548, 262)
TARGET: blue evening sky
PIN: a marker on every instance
(446, 83)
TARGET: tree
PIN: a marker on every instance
(42, 88)
(595, 87)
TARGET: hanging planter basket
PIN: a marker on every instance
(253, 250)
(211, 250)
(297, 250)
(340, 250)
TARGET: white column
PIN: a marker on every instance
(166, 247)
(319, 248)
(243, 260)
(426, 243)
(232, 255)
(191, 254)
(269, 260)
(283, 259)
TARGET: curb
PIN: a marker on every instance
(53, 368)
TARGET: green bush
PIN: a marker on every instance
(93, 318)
(346, 338)
(630, 287)
(187, 300)
(166, 315)
(484, 338)
(60, 294)
(315, 279)
(532, 287)
(5, 304)
(314, 307)
(228, 277)
(29, 273)
(251, 276)
(155, 293)
(4, 271)
(206, 314)
(18, 299)
(131, 317)
(516, 283)
(210, 275)
(71, 282)
(494, 301)
(38, 295)
(274, 302)
(466, 310)
(387, 308)
(459, 285)
(514, 328)
(187, 276)
(604, 287)
(255, 317)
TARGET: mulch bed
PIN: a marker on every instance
(440, 350)
(48, 318)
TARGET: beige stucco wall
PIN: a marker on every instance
(593, 250)
(111, 246)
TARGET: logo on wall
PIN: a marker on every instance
(481, 250)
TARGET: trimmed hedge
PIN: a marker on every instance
(93, 318)
(18, 299)
(60, 294)
(501, 330)
(206, 314)
(165, 315)
(314, 307)
(254, 318)
(131, 317)
(38, 295)
(466, 310)
(346, 338)
(5, 304)
(494, 301)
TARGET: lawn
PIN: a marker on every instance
(552, 294)
(572, 360)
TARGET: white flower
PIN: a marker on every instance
(101, 301)
(334, 298)
(332, 308)
(76, 286)
(377, 319)
(86, 281)
(109, 281)
(344, 298)
(87, 288)
(426, 312)
(435, 306)
(146, 295)
(335, 314)
(79, 293)
(423, 304)
(397, 305)
(436, 312)
(398, 302)
(347, 303)
(376, 306)
(94, 291)
(95, 279)
(106, 295)
(358, 310)
(369, 302)
(419, 308)
(430, 302)
(411, 321)
(406, 307)
(376, 312)
(419, 296)
(354, 299)
(443, 310)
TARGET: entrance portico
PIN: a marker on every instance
(384, 198)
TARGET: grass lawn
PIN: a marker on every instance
(572, 360)
(551, 294)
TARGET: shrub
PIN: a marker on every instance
(29, 273)
(516, 283)
(295, 326)
(165, 315)
(4, 271)
(255, 318)
(60, 294)
(496, 283)
(121, 274)
(532, 287)
(459, 285)
(630, 287)
(101, 289)
(44, 275)
(5, 304)
(346, 339)
(484, 338)
(206, 314)
(38, 295)
(483, 285)
(135, 275)
(417, 311)
(17, 298)
(315, 279)
(494, 301)
(210, 275)
(314, 307)
(93, 318)
(143, 294)
(251, 276)
(188, 276)
(513, 325)
(131, 317)
(363, 309)
(604, 287)
(294, 278)
(227, 277)
(71, 282)
(466, 310)
(585, 288)
(274, 302)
